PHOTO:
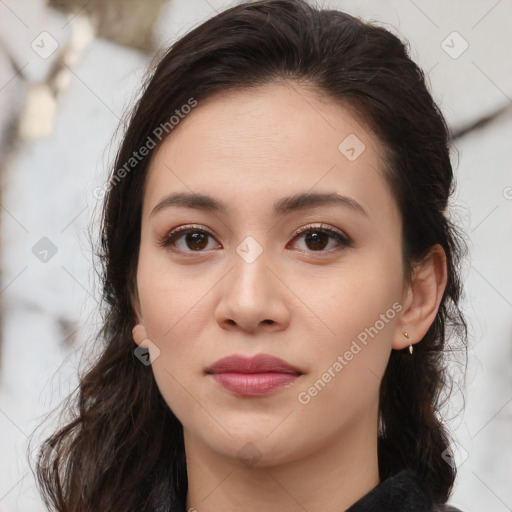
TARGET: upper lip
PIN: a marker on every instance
(261, 363)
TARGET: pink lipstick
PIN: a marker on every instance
(253, 376)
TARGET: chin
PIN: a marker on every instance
(255, 448)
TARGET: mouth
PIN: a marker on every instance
(260, 375)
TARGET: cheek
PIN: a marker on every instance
(173, 305)
(359, 299)
(360, 309)
(172, 298)
(168, 316)
(348, 369)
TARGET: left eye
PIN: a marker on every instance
(317, 238)
(196, 240)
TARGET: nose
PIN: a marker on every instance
(252, 298)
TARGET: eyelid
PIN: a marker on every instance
(323, 227)
(188, 227)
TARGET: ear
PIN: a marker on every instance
(139, 333)
(422, 299)
(140, 336)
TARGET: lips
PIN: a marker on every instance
(253, 376)
(261, 363)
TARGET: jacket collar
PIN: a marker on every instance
(401, 492)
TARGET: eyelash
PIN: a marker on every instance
(175, 234)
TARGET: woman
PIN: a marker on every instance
(280, 279)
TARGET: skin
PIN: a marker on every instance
(297, 302)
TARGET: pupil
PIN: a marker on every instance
(194, 241)
(315, 239)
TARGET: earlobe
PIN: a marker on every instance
(140, 335)
(423, 298)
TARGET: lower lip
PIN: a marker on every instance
(254, 384)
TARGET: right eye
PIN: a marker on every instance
(193, 238)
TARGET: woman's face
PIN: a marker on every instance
(243, 282)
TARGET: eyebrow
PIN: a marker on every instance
(281, 207)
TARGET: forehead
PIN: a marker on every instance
(251, 147)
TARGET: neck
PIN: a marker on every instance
(330, 478)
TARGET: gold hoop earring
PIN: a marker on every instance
(406, 334)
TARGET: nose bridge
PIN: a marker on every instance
(251, 293)
(250, 277)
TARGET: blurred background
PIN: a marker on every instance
(69, 69)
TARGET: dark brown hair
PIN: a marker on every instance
(123, 449)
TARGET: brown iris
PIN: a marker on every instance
(196, 241)
(315, 238)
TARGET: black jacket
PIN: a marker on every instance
(402, 492)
